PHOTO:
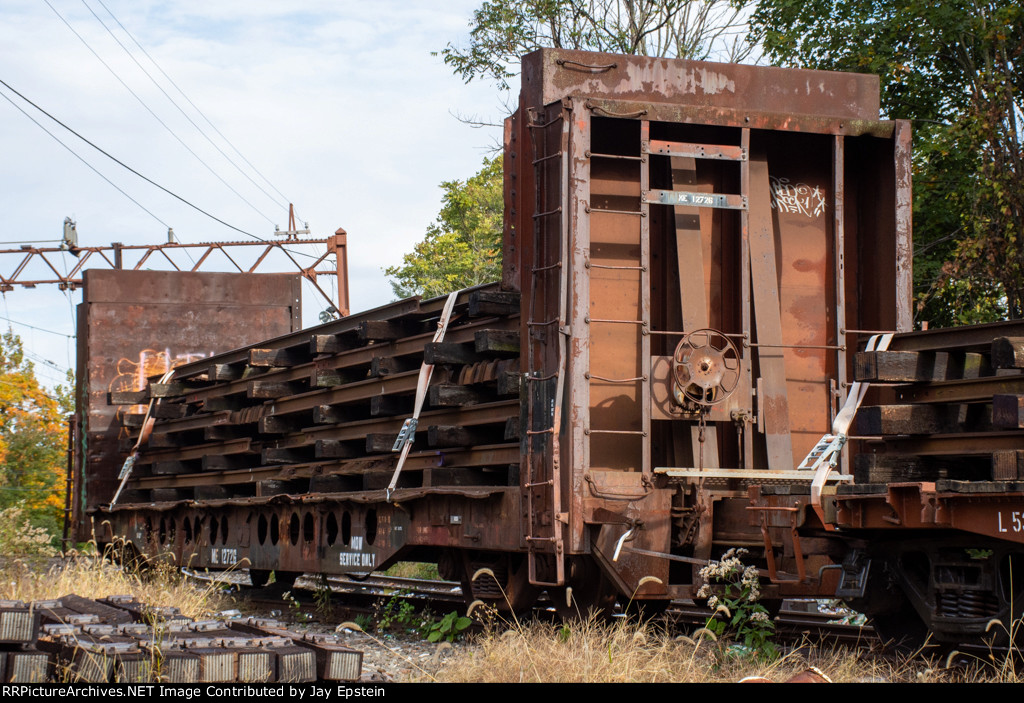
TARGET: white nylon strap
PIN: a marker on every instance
(147, 429)
(843, 420)
(426, 371)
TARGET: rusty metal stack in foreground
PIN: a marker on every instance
(693, 254)
(120, 640)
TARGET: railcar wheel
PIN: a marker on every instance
(499, 580)
(901, 631)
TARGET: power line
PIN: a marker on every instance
(74, 153)
(196, 107)
(156, 117)
(173, 102)
(41, 329)
(44, 360)
(129, 168)
(124, 165)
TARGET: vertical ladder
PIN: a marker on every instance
(544, 377)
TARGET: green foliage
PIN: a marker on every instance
(398, 614)
(501, 32)
(737, 613)
(414, 570)
(33, 439)
(463, 247)
(295, 608)
(449, 628)
(954, 68)
(364, 621)
(322, 596)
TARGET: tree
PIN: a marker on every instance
(954, 68)
(501, 32)
(463, 247)
(33, 439)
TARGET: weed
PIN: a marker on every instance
(397, 614)
(449, 628)
(745, 620)
(18, 539)
(295, 608)
(364, 621)
(322, 597)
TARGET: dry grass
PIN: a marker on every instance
(91, 576)
(619, 652)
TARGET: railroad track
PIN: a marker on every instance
(797, 620)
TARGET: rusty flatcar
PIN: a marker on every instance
(693, 255)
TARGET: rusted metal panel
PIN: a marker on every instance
(512, 169)
(904, 225)
(552, 74)
(998, 513)
(773, 401)
(133, 324)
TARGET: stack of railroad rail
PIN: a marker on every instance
(120, 640)
(939, 483)
(321, 410)
(956, 409)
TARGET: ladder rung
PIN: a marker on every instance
(556, 265)
(641, 213)
(591, 155)
(547, 158)
(538, 215)
(588, 320)
(614, 380)
(542, 378)
(616, 268)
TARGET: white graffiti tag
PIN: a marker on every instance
(799, 197)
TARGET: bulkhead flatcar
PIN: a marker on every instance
(694, 254)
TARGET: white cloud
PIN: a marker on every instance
(340, 104)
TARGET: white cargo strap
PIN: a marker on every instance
(147, 429)
(824, 459)
(408, 432)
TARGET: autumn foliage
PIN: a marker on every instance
(33, 439)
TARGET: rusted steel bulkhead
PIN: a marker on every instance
(656, 198)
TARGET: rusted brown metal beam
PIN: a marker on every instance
(969, 390)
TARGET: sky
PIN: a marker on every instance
(338, 103)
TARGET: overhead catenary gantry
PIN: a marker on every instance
(180, 256)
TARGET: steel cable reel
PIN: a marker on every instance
(705, 368)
